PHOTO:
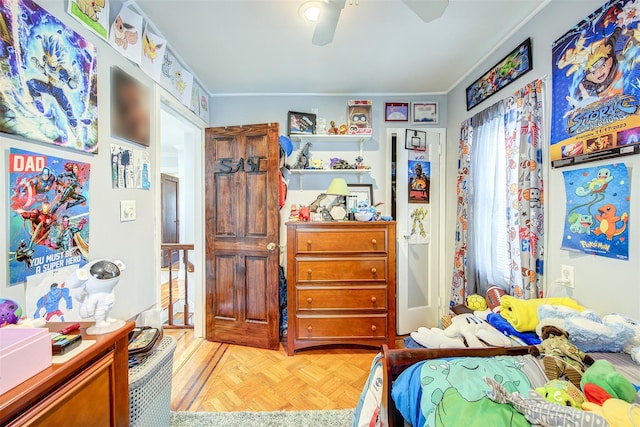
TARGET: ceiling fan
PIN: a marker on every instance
(330, 10)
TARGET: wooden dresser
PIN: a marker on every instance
(341, 284)
(92, 389)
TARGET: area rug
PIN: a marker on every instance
(340, 418)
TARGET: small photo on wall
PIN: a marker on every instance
(130, 116)
(396, 111)
(425, 113)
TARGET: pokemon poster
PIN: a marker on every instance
(48, 78)
(598, 211)
(595, 87)
(49, 214)
(126, 34)
(153, 47)
(176, 79)
(92, 14)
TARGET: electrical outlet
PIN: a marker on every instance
(566, 275)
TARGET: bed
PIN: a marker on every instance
(394, 362)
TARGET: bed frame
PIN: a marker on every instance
(396, 361)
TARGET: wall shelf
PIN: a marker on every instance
(330, 138)
(344, 172)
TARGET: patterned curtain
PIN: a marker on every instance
(525, 199)
(523, 121)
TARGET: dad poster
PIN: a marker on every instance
(597, 220)
(596, 96)
(49, 214)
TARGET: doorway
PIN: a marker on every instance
(169, 200)
(417, 187)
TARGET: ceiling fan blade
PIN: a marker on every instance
(327, 22)
(427, 10)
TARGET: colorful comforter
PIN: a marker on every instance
(452, 392)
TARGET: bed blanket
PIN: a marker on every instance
(523, 314)
(500, 323)
(450, 391)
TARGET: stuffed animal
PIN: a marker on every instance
(604, 375)
(632, 345)
(617, 412)
(562, 392)
(10, 312)
(473, 330)
(560, 357)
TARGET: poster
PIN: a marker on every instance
(47, 297)
(49, 213)
(153, 48)
(419, 225)
(419, 180)
(93, 15)
(130, 108)
(126, 34)
(595, 87)
(195, 99)
(176, 79)
(48, 83)
(359, 117)
(129, 168)
(598, 201)
(204, 105)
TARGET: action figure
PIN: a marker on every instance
(51, 302)
(69, 181)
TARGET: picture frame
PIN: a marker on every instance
(424, 113)
(396, 111)
(510, 68)
(362, 192)
(301, 123)
(130, 108)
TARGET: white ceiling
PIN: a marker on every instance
(380, 46)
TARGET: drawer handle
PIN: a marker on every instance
(309, 328)
(373, 328)
(374, 242)
(374, 270)
(309, 272)
(373, 300)
(309, 242)
(309, 300)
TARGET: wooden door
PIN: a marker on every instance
(170, 221)
(242, 224)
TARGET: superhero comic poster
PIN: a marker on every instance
(597, 218)
(48, 215)
(596, 92)
(48, 78)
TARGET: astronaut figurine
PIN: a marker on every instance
(92, 286)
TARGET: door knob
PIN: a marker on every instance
(271, 246)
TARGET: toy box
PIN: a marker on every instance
(23, 353)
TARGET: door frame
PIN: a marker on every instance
(444, 285)
(165, 100)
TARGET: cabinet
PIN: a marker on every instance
(341, 284)
(90, 389)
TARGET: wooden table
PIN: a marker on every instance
(90, 389)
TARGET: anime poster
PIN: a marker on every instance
(129, 168)
(419, 225)
(49, 214)
(195, 99)
(204, 105)
(126, 34)
(595, 87)
(47, 297)
(419, 179)
(153, 48)
(130, 111)
(48, 83)
(176, 79)
(93, 15)
(359, 117)
(597, 218)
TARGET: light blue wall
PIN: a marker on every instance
(604, 284)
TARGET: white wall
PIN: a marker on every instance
(136, 243)
(604, 284)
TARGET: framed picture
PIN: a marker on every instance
(362, 192)
(510, 68)
(396, 111)
(301, 123)
(359, 117)
(425, 113)
(130, 114)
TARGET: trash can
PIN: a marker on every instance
(150, 387)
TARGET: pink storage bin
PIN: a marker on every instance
(23, 353)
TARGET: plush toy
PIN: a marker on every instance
(304, 214)
(476, 302)
(435, 338)
(562, 392)
(617, 412)
(604, 375)
(473, 330)
(632, 345)
(10, 312)
(561, 358)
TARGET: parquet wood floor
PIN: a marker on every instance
(210, 376)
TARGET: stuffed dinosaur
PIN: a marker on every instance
(604, 375)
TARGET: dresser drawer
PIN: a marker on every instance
(328, 299)
(342, 269)
(322, 328)
(337, 241)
